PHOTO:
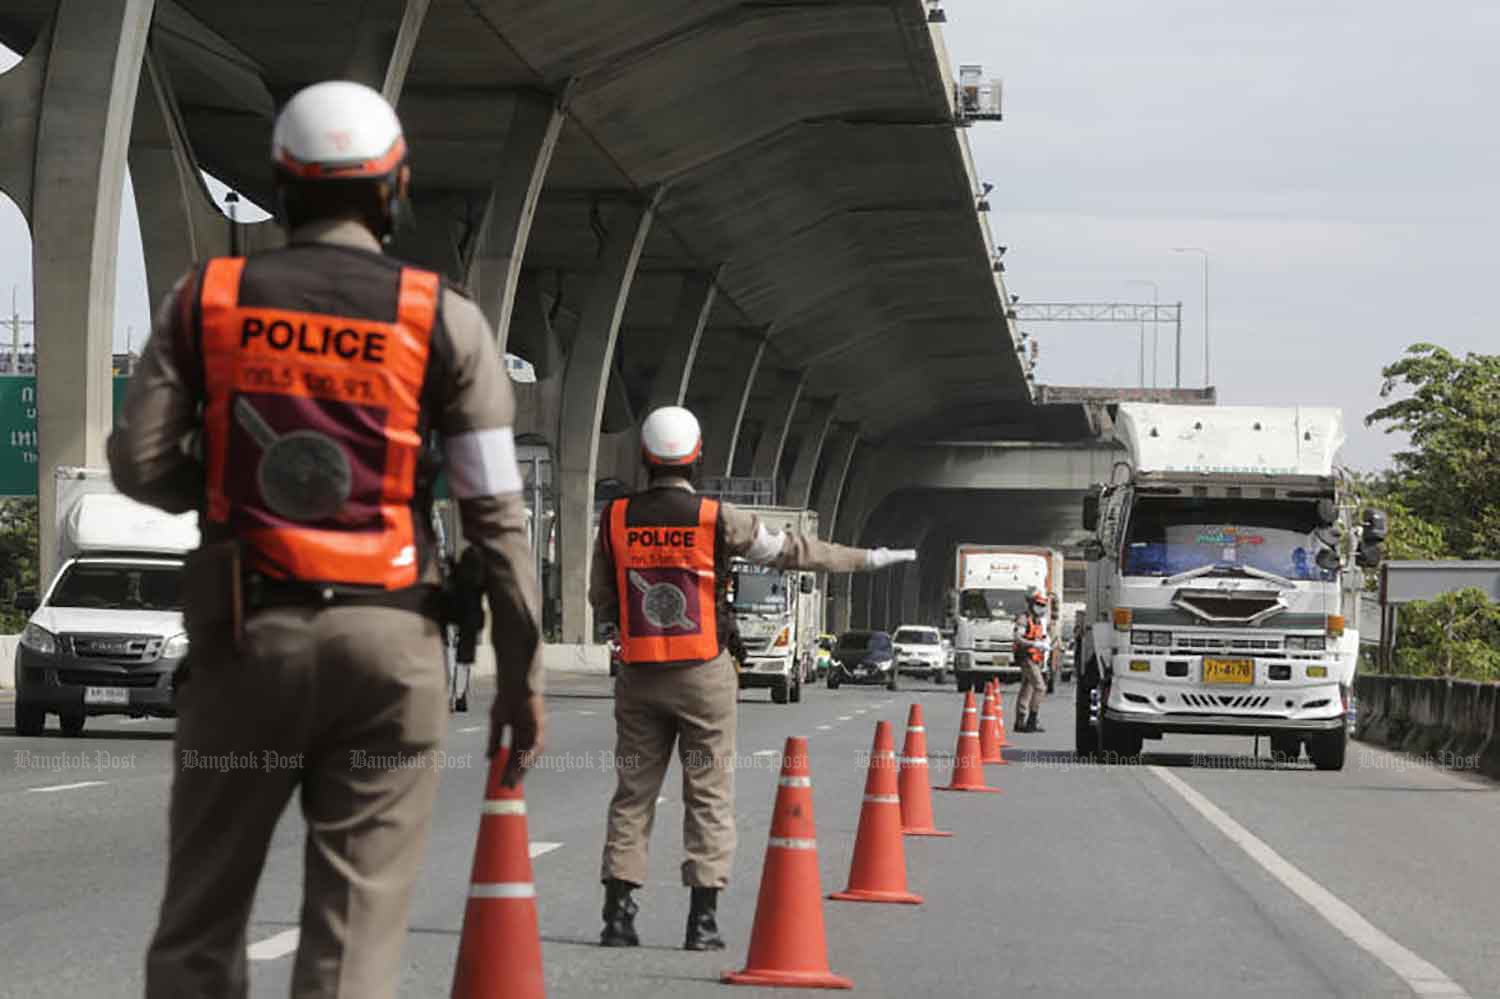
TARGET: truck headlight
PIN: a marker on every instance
(1149, 639)
(176, 647)
(39, 639)
(1306, 643)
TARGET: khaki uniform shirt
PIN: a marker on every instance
(153, 449)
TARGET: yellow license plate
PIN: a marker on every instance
(1229, 671)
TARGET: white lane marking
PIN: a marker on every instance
(470, 728)
(537, 847)
(860, 711)
(661, 800)
(588, 714)
(846, 717)
(825, 728)
(271, 948)
(66, 787)
(1425, 980)
(766, 752)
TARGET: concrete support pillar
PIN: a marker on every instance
(494, 272)
(385, 35)
(93, 67)
(839, 452)
(585, 378)
(799, 486)
(694, 304)
(778, 422)
(722, 434)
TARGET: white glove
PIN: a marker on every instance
(879, 558)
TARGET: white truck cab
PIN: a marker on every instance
(1222, 583)
(106, 636)
(778, 613)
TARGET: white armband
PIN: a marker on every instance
(482, 463)
(766, 546)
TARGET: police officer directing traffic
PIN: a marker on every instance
(290, 398)
(1032, 647)
(660, 572)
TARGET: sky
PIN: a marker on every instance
(1335, 160)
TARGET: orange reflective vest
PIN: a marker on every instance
(1034, 633)
(312, 430)
(665, 581)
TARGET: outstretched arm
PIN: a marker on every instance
(748, 537)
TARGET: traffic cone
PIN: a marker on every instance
(500, 952)
(1002, 741)
(878, 871)
(787, 944)
(989, 732)
(915, 784)
(968, 766)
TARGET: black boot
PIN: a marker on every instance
(1031, 725)
(702, 922)
(619, 915)
(1021, 720)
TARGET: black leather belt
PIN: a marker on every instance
(262, 593)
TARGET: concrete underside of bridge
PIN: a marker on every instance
(764, 211)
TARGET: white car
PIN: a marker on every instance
(919, 649)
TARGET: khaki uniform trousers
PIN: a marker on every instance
(344, 706)
(1033, 686)
(694, 706)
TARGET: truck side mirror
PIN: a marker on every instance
(1369, 555)
(806, 585)
(1328, 560)
(1091, 508)
(1093, 550)
(1377, 525)
(26, 601)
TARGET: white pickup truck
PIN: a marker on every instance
(106, 637)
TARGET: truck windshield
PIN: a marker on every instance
(917, 636)
(759, 591)
(992, 603)
(119, 587)
(1169, 535)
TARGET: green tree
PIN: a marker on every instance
(1449, 480)
(18, 548)
(1456, 635)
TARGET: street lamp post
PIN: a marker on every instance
(1155, 332)
(1207, 376)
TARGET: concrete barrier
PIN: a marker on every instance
(1456, 722)
(593, 659)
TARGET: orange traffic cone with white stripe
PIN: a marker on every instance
(787, 944)
(914, 781)
(989, 738)
(1002, 741)
(878, 871)
(500, 951)
(968, 766)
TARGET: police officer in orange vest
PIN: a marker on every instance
(300, 401)
(1032, 646)
(660, 572)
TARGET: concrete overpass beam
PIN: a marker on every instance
(93, 67)
(723, 431)
(585, 378)
(799, 486)
(839, 455)
(694, 303)
(382, 56)
(778, 422)
(494, 272)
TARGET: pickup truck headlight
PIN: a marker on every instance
(176, 647)
(1306, 643)
(39, 639)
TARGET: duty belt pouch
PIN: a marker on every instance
(213, 605)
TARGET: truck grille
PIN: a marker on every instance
(93, 678)
(1240, 702)
(116, 648)
(1215, 643)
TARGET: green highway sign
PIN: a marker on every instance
(18, 458)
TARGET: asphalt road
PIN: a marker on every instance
(1191, 875)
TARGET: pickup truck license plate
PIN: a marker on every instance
(1229, 671)
(106, 695)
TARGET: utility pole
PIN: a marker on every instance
(1155, 331)
(1207, 371)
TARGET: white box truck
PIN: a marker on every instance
(1223, 582)
(106, 635)
(989, 591)
(778, 612)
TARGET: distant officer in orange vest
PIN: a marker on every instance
(660, 572)
(1032, 647)
(307, 383)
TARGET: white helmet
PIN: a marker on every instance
(670, 436)
(338, 130)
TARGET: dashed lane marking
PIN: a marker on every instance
(273, 947)
(766, 752)
(588, 714)
(470, 728)
(66, 787)
(846, 717)
(825, 728)
(1425, 980)
(537, 848)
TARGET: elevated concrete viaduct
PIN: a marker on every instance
(765, 211)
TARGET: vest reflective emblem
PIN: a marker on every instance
(1033, 633)
(664, 576)
(311, 430)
